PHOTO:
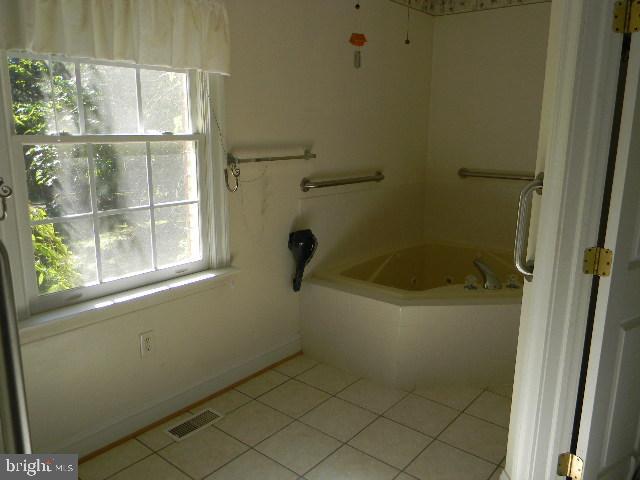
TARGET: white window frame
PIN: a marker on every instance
(211, 197)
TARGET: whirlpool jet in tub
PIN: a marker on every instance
(406, 318)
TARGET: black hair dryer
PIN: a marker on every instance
(303, 244)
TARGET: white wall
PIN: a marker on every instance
(486, 94)
(293, 82)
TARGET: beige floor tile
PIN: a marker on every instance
(262, 383)
(442, 462)
(405, 476)
(253, 422)
(296, 365)
(423, 415)
(492, 407)
(158, 437)
(458, 397)
(338, 418)
(294, 398)
(225, 403)
(349, 464)
(202, 453)
(327, 378)
(252, 466)
(478, 437)
(390, 442)
(151, 468)
(506, 390)
(371, 395)
(298, 447)
(113, 460)
(496, 474)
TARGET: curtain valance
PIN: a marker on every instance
(190, 34)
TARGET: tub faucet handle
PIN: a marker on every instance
(471, 282)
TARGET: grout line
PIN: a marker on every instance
(288, 414)
(266, 391)
(275, 461)
(175, 466)
(499, 468)
(346, 443)
(375, 458)
(216, 469)
(268, 436)
(315, 386)
(492, 462)
(323, 459)
(448, 406)
(442, 431)
(487, 421)
(299, 373)
(250, 447)
(130, 465)
(428, 445)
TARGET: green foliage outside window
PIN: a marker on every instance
(55, 268)
(54, 265)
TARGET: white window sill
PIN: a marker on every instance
(61, 320)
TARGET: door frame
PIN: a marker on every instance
(575, 128)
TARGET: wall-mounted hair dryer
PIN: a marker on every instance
(303, 244)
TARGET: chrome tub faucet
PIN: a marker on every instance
(491, 281)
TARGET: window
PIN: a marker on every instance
(112, 176)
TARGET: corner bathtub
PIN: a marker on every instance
(406, 319)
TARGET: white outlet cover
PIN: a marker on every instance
(147, 344)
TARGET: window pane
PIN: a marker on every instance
(65, 255)
(121, 175)
(177, 235)
(175, 177)
(125, 244)
(32, 99)
(57, 179)
(164, 101)
(109, 99)
(65, 97)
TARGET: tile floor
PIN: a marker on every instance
(306, 420)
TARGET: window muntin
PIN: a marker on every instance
(111, 167)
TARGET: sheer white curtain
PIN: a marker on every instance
(191, 34)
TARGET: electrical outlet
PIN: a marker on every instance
(147, 344)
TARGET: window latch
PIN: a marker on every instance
(5, 192)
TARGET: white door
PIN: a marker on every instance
(609, 439)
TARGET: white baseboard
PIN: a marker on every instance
(116, 429)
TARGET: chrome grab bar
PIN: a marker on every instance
(502, 175)
(308, 184)
(13, 404)
(524, 210)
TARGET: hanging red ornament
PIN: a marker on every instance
(358, 39)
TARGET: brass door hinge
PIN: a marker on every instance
(626, 16)
(597, 261)
(570, 465)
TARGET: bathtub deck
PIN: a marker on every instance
(307, 420)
